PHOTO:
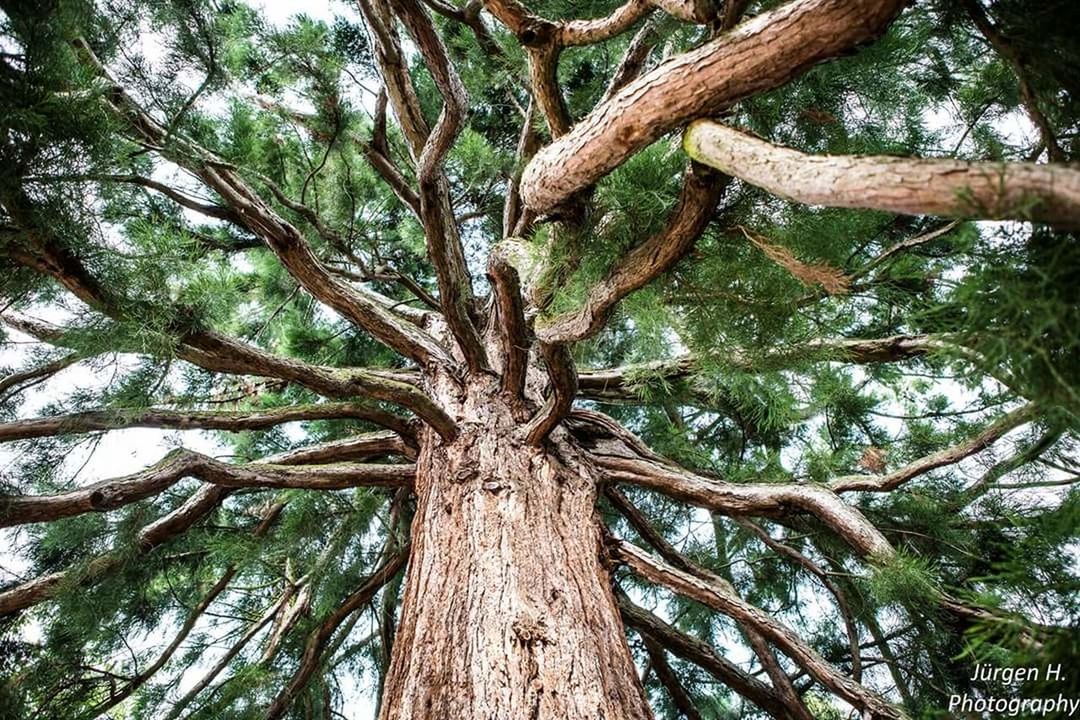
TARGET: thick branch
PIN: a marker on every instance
(510, 322)
(761, 54)
(952, 188)
(430, 149)
(234, 421)
(719, 598)
(700, 193)
(117, 492)
(948, 456)
(622, 462)
(563, 376)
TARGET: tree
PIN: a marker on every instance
(574, 360)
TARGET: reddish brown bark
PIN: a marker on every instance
(508, 609)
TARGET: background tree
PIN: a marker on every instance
(574, 360)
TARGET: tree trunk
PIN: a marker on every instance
(508, 610)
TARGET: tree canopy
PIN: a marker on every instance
(802, 278)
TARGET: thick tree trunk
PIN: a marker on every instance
(508, 610)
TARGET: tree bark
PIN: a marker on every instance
(508, 610)
(911, 186)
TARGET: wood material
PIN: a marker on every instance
(912, 186)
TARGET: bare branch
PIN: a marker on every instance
(563, 376)
(234, 421)
(510, 322)
(117, 492)
(758, 55)
(701, 191)
(719, 598)
(951, 188)
(429, 149)
(897, 348)
(704, 656)
(318, 638)
(948, 456)
(622, 461)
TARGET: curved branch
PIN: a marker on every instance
(701, 192)
(760, 54)
(719, 598)
(199, 505)
(622, 463)
(510, 321)
(233, 421)
(430, 148)
(563, 376)
(948, 456)
(940, 186)
(117, 492)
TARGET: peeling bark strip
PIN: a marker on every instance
(952, 188)
(759, 55)
(117, 492)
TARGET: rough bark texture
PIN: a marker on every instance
(952, 188)
(762, 53)
(508, 610)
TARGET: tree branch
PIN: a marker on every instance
(700, 193)
(948, 456)
(279, 235)
(510, 321)
(201, 503)
(563, 376)
(233, 421)
(1027, 93)
(704, 656)
(621, 459)
(952, 188)
(117, 492)
(318, 638)
(719, 598)
(760, 54)
(429, 149)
